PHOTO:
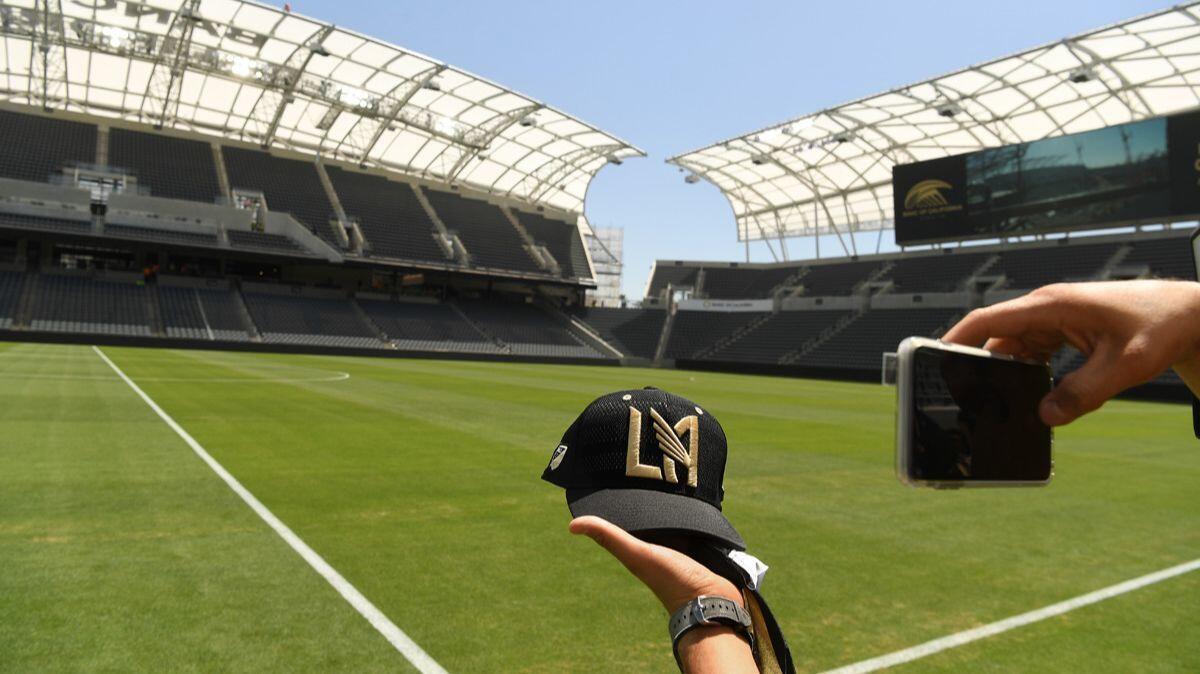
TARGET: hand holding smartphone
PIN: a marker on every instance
(966, 417)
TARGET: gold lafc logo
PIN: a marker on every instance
(670, 442)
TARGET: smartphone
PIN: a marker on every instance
(1196, 252)
(1196, 265)
(966, 417)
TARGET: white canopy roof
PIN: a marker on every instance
(831, 171)
(252, 72)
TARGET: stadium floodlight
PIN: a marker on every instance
(432, 84)
(691, 179)
(353, 97)
(243, 66)
(319, 50)
(614, 160)
(447, 126)
(1081, 74)
(529, 120)
(760, 159)
(113, 37)
(949, 109)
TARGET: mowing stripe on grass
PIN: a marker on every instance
(965, 637)
(401, 641)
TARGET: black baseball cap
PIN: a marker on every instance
(647, 461)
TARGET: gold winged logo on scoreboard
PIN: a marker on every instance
(927, 194)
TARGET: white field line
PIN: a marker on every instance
(965, 637)
(336, 376)
(401, 641)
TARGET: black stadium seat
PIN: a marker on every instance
(264, 242)
(861, 344)
(84, 304)
(197, 313)
(12, 284)
(289, 185)
(634, 331)
(296, 319)
(668, 274)
(489, 237)
(837, 278)
(942, 273)
(1167, 258)
(389, 214)
(1036, 267)
(174, 168)
(784, 332)
(37, 147)
(526, 329)
(561, 239)
(732, 283)
(694, 331)
(425, 326)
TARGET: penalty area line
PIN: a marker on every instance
(991, 629)
(401, 641)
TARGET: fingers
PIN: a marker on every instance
(1103, 376)
(1008, 345)
(1007, 319)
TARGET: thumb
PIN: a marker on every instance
(1085, 389)
(627, 548)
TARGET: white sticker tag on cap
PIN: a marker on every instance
(753, 567)
(557, 457)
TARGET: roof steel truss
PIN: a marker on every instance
(253, 72)
(830, 171)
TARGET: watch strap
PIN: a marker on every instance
(708, 610)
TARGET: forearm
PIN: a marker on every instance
(715, 650)
(1189, 372)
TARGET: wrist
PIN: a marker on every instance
(717, 587)
(715, 648)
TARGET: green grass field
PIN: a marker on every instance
(120, 550)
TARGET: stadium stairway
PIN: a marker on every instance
(504, 348)
(874, 277)
(26, 302)
(583, 331)
(244, 312)
(790, 285)
(792, 357)
(454, 251)
(154, 310)
(635, 332)
(733, 337)
(665, 338)
(1115, 261)
(539, 253)
(370, 322)
(339, 212)
(980, 272)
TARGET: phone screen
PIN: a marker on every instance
(976, 419)
(1196, 264)
(1196, 253)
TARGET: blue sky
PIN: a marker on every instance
(674, 76)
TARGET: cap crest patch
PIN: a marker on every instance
(557, 457)
(670, 442)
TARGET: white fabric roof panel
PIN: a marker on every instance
(246, 71)
(831, 171)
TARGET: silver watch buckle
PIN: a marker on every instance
(698, 611)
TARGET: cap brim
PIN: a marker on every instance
(637, 510)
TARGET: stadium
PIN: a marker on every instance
(291, 318)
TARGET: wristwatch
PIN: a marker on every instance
(707, 610)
